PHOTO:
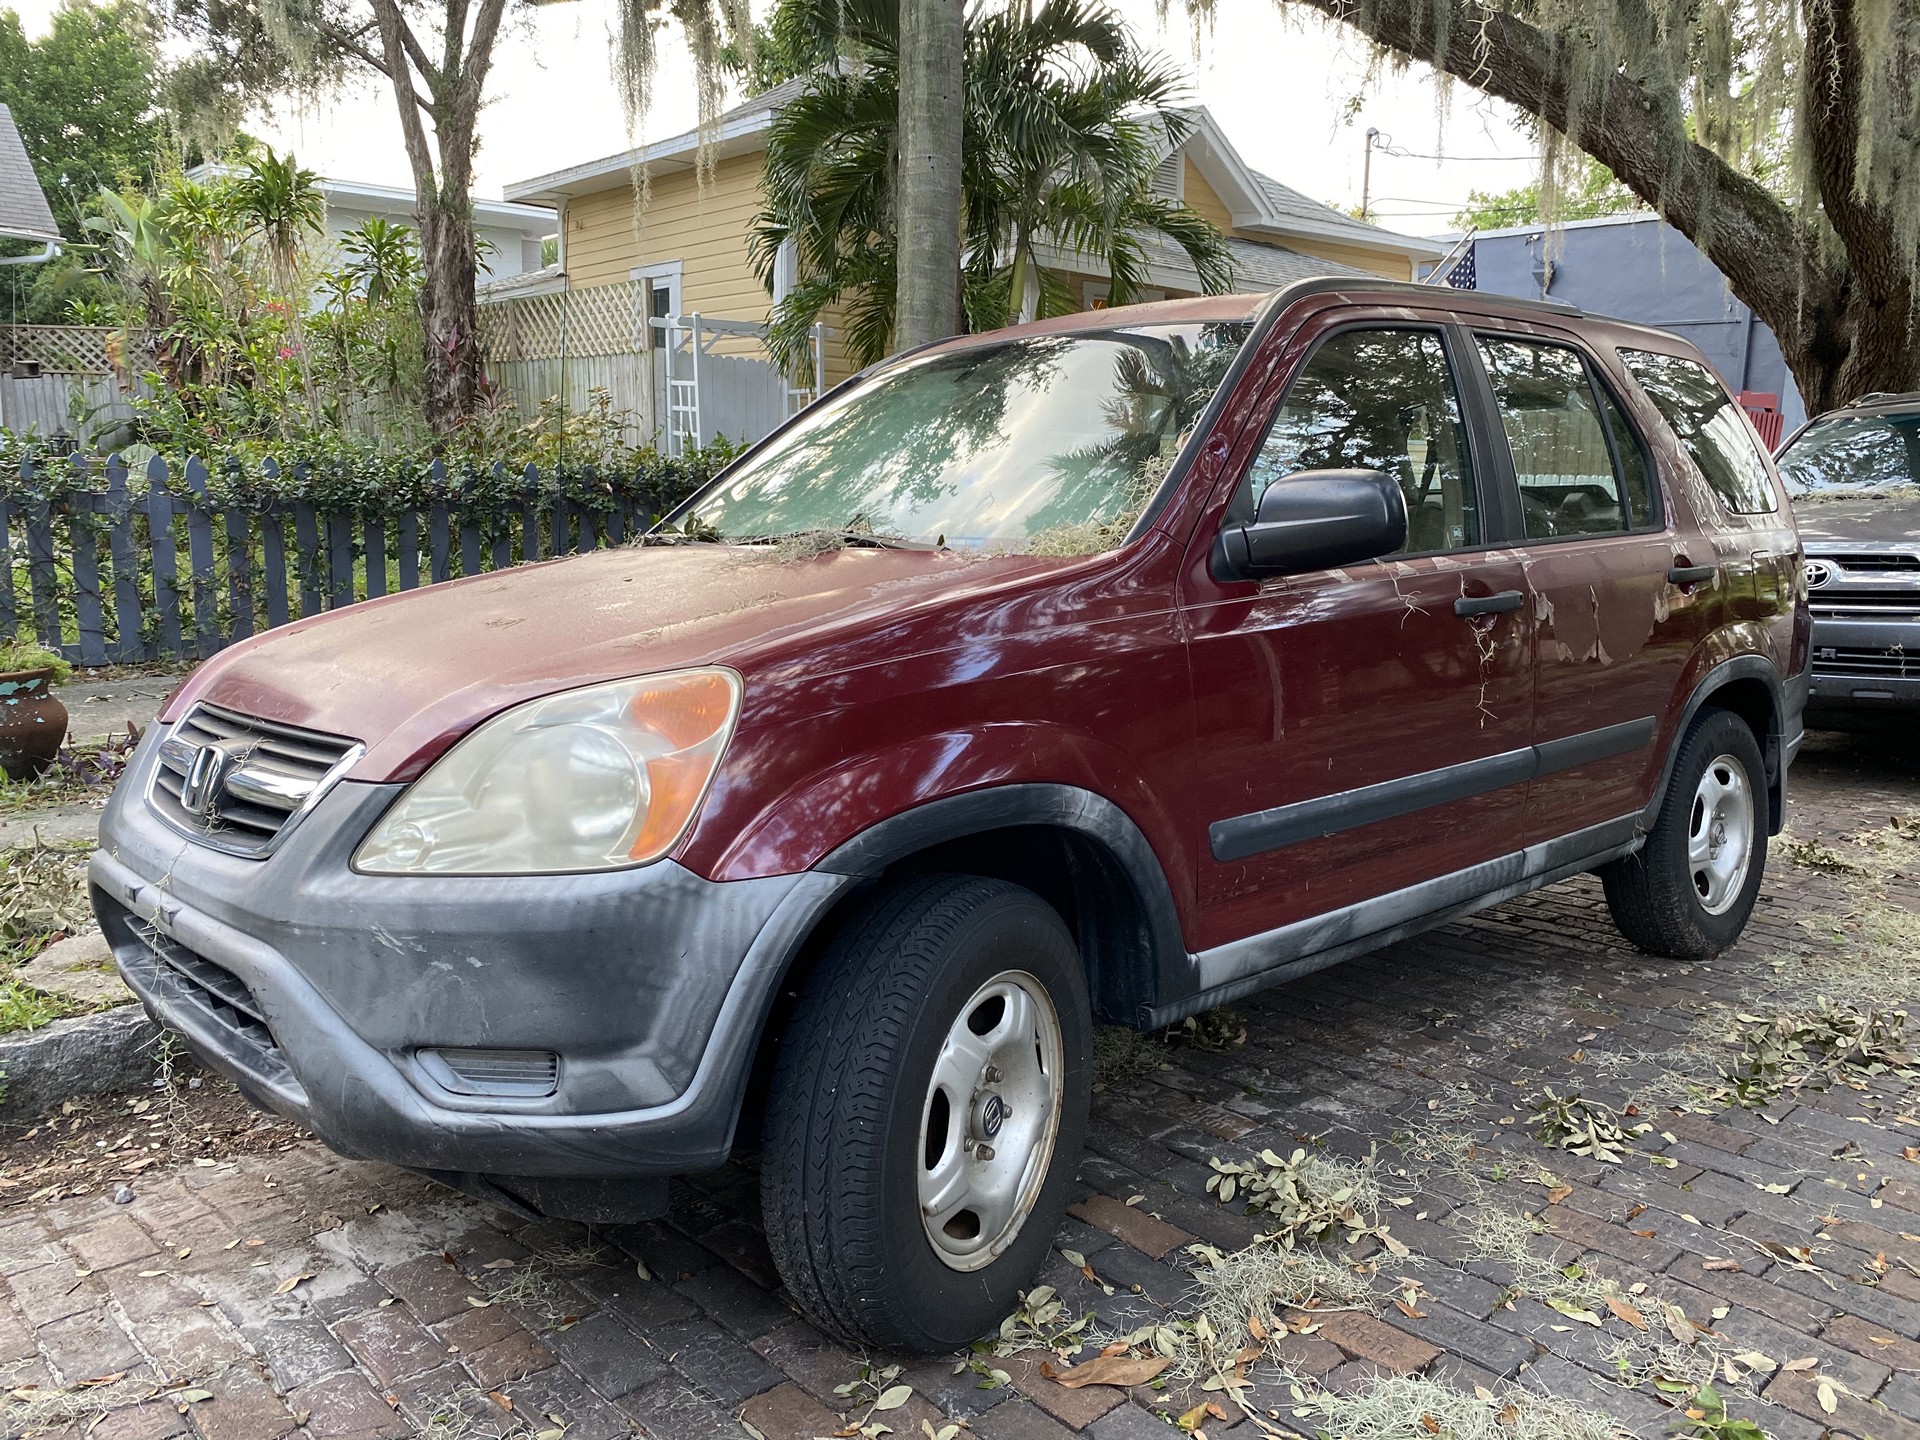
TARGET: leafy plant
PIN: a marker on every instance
(1041, 1319)
(17, 655)
(1815, 1048)
(1706, 1418)
(1582, 1126)
(1311, 1196)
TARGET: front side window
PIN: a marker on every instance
(1709, 425)
(1844, 456)
(1051, 444)
(1378, 400)
(1558, 439)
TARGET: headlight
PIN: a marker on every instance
(588, 779)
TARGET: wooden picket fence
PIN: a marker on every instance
(108, 568)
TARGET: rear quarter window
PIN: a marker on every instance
(1706, 421)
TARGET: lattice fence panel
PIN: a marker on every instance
(71, 349)
(599, 320)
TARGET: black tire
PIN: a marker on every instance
(1653, 894)
(850, 1088)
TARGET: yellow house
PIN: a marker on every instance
(686, 244)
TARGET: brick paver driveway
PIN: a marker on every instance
(1769, 1251)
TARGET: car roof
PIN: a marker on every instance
(1228, 309)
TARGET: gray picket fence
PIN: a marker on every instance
(109, 570)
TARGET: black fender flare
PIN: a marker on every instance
(1066, 807)
(1776, 746)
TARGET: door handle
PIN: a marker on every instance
(1497, 604)
(1690, 574)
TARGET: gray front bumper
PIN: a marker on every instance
(1842, 686)
(651, 984)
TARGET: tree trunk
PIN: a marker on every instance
(932, 108)
(448, 309)
(1845, 324)
(444, 192)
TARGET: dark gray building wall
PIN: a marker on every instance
(1640, 268)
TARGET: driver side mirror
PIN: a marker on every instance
(1314, 520)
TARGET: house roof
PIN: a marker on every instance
(1257, 202)
(24, 212)
(535, 221)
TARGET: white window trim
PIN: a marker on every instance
(663, 270)
(786, 269)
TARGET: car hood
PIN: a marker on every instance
(409, 674)
(1884, 520)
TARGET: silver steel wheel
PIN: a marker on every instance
(1720, 834)
(991, 1118)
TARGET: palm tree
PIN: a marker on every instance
(282, 203)
(1064, 123)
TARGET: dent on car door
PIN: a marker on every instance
(1353, 724)
(1616, 594)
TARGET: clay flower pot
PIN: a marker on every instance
(33, 722)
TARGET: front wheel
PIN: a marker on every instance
(1688, 893)
(927, 1108)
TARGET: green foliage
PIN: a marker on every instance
(85, 98)
(1813, 1049)
(24, 1009)
(17, 655)
(43, 895)
(1311, 1196)
(1588, 192)
(1582, 1126)
(1065, 122)
(1707, 1419)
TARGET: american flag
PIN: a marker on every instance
(1463, 276)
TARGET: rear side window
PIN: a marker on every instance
(1378, 400)
(1710, 425)
(1576, 478)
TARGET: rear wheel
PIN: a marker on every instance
(1688, 892)
(926, 1111)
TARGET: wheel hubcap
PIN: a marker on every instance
(991, 1116)
(1720, 834)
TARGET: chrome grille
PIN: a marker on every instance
(1879, 561)
(1863, 602)
(239, 783)
(1862, 663)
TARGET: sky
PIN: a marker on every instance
(1283, 88)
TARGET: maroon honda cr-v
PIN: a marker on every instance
(1106, 668)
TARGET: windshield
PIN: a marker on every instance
(1846, 455)
(1050, 445)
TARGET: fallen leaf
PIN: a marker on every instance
(1626, 1312)
(1805, 1362)
(192, 1397)
(477, 1303)
(1194, 1418)
(1119, 1370)
(287, 1284)
(504, 1402)
(501, 1264)
(1554, 1197)
(1256, 1327)
(112, 1379)
(1723, 1263)
(1824, 1392)
(896, 1396)
(1392, 1244)
(1429, 1424)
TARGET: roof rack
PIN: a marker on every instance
(1319, 284)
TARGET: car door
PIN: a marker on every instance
(1616, 595)
(1360, 730)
